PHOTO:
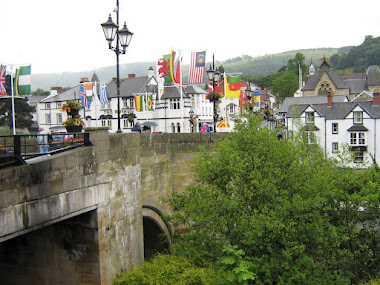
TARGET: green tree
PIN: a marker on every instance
(300, 218)
(23, 110)
(39, 91)
(285, 85)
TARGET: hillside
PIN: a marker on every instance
(255, 66)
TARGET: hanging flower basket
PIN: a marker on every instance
(214, 96)
(71, 107)
(74, 124)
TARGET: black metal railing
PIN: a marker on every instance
(16, 150)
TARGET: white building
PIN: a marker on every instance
(171, 110)
(335, 125)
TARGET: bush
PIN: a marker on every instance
(171, 269)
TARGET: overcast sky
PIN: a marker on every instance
(63, 36)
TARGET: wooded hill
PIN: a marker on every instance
(351, 59)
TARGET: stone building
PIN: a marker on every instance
(325, 80)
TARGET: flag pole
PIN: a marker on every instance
(13, 105)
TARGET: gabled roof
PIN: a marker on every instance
(171, 91)
(356, 85)
(308, 101)
(325, 68)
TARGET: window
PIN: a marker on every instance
(47, 105)
(106, 106)
(309, 137)
(335, 147)
(309, 117)
(358, 156)
(231, 109)
(174, 104)
(59, 118)
(357, 138)
(59, 105)
(48, 119)
(334, 128)
(358, 117)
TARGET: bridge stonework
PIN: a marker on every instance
(81, 212)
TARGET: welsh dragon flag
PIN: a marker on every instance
(169, 67)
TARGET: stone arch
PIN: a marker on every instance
(154, 226)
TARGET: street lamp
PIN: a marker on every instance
(123, 37)
(214, 76)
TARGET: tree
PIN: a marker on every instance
(300, 218)
(23, 110)
(285, 85)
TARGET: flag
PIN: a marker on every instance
(103, 94)
(175, 67)
(243, 99)
(170, 67)
(151, 98)
(83, 98)
(23, 80)
(197, 67)
(210, 87)
(164, 68)
(138, 103)
(232, 87)
(89, 93)
(3, 69)
(257, 98)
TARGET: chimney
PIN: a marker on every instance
(376, 99)
(131, 75)
(329, 99)
(150, 72)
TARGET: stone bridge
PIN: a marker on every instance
(82, 216)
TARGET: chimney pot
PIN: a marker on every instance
(329, 99)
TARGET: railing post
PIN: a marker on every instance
(87, 139)
(17, 145)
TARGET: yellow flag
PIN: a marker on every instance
(229, 93)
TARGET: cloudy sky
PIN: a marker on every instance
(63, 36)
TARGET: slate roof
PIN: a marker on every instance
(339, 110)
(70, 94)
(289, 101)
(171, 92)
(356, 85)
(130, 86)
(336, 79)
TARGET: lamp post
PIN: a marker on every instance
(248, 95)
(214, 76)
(123, 38)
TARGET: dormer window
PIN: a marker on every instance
(358, 117)
(309, 116)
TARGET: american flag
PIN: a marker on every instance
(197, 67)
(83, 97)
(3, 69)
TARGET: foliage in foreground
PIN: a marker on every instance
(299, 218)
(172, 269)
